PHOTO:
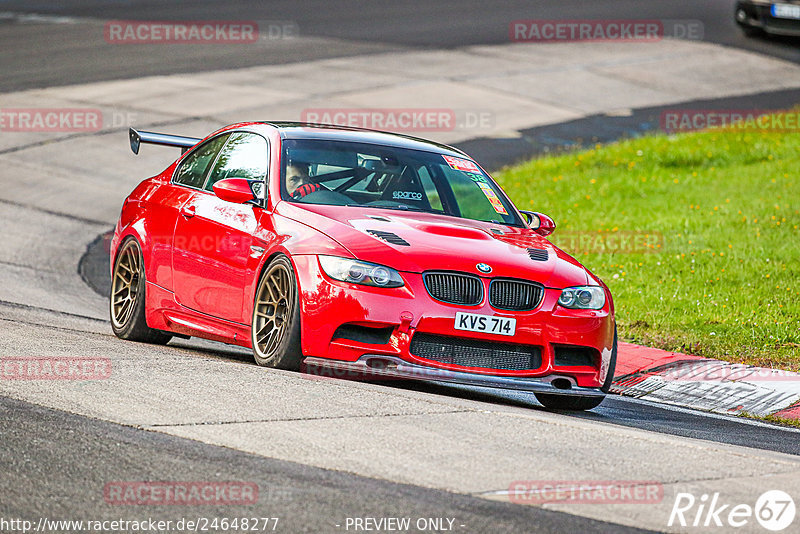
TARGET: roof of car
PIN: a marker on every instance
(303, 130)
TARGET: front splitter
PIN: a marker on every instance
(379, 367)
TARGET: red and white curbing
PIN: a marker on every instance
(705, 384)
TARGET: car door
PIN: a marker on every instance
(166, 202)
(212, 240)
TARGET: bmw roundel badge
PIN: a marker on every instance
(484, 268)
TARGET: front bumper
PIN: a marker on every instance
(758, 16)
(379, 367)
(401, 313)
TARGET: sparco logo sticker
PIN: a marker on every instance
(407, 195)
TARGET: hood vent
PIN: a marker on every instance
(538, 254)
(389, 237)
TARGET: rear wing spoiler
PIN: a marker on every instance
(153, 138)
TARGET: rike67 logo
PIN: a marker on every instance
(774, 510)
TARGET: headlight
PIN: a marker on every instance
(360, 272)
(583, 298)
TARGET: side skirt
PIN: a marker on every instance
(163, 313)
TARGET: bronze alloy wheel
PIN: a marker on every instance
(127, 299)
(125, 286)
(276, 321)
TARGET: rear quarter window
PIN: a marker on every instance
(194, 168)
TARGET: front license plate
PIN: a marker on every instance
(785, 11)
(489, 324)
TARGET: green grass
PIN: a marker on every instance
(724, 281)
(784, 421)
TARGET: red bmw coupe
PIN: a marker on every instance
(357, 250)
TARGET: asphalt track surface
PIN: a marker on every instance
(73, 53)
(76, 455)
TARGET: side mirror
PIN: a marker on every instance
(539, 222)
(236, 190)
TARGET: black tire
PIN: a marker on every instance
(126, 303)
(569, 403)
(275, 324)
(612, 365)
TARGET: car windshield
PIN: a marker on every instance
(344, 173)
